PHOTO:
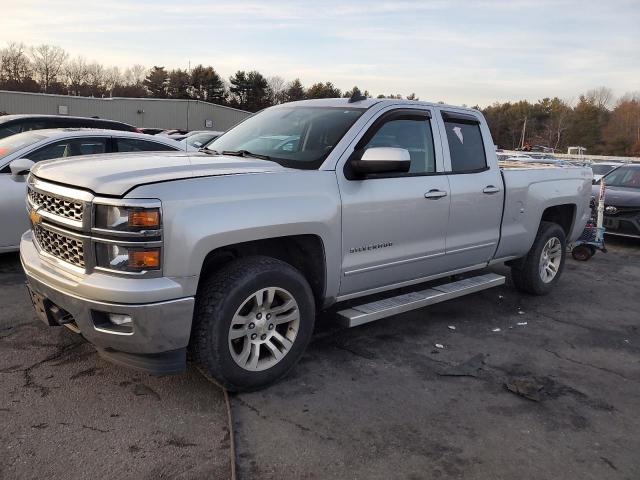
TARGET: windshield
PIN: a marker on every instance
(9, 145)
(624, 177)
(601, 169)
(297, 137)
(200, 139)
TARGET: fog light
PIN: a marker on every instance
(120, 319)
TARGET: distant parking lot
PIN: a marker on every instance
(524, 387)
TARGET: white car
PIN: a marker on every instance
(21, 151)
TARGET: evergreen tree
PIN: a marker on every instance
(156, 82)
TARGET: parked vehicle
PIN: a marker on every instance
(600, 169)
(12, 124)
(19, 152)
(513, 156)
(622, 201)
(173, 131)
(201, 138)
(233, 254)
(151, 131)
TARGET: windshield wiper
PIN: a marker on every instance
(209, 151)
(245, 153)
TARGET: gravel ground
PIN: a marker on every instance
(552, 394)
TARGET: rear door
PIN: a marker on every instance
(394, 225)
(477, 190)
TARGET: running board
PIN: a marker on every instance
(368, 312)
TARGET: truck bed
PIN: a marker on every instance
(529, 189)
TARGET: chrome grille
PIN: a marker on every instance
(60, 246)
(57, 206)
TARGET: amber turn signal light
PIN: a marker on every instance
(144, 259)
(144, 218)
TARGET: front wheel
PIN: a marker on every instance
(253, 320)
(543, 265)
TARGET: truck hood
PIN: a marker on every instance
(115, 174)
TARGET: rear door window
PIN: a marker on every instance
(466, 146)
(69, 148)
(137, 145)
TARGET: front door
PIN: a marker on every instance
(14, 220)
(394, 225)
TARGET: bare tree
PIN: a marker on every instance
(135, 75)
(15, 66)
(77, 74)
(48, 63)
(278, 89)
(601, 97)
(95, 78)
(112, 77)
(558, 114)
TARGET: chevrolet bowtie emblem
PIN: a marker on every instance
(35, 217)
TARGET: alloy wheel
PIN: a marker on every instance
(264, 329)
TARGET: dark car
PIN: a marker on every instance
(12, 124)
(622, 201)
(151, 130)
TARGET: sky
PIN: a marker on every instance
(459, 52)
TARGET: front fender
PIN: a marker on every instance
(201, 215)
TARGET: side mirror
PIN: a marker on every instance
(382, 160)
(21, 166)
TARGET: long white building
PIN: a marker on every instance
(141, 112)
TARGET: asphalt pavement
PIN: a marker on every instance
(524, 387)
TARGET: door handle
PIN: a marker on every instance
(490, 190)
(435, 194)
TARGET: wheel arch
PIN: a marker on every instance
(563, 214)
(305, 252)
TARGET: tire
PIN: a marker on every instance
(582, 253)
(233, 303)
(528, 275)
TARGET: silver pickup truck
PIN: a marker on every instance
(231, 252)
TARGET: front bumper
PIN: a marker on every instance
(159, 330)
(623, 224)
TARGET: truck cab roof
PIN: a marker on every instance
(369, 102)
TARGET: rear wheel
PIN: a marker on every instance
(253, 320)
(543, 265)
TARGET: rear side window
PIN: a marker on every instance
(135, 145)
(69, 148)
(465, 145)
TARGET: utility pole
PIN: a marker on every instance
(524, 129)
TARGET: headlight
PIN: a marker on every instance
(127, 258)
(127, 219)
